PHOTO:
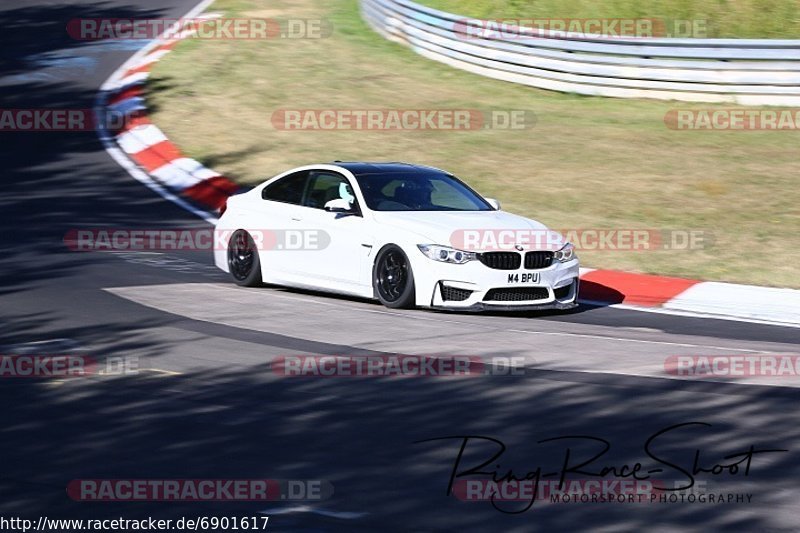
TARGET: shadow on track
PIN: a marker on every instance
(358, 433)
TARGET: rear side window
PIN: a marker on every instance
(289, 189)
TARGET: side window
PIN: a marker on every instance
(289, 189)
(326, 186)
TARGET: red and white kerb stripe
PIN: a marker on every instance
(147, 145)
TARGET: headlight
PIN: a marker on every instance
(446, 254)
(565, 254)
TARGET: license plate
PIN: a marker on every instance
(524, 277)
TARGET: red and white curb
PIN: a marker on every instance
(143, 149)
(687, 297)
(145, 152)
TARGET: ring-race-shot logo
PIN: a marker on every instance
(206, 239)
(198, 490)
(672, 459)
(787, 119)
(401, 119)
(397, 366)
(95, 29)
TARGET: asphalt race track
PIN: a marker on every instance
(205, 403)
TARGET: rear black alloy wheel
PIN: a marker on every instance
(392, 278)
(243, 260)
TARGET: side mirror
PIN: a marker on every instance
(494, 203)
(339, 205)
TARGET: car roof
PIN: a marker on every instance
(360, 168)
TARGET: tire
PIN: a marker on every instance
(243, 262)
(392, 278)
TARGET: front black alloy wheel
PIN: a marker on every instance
(243, 260)
(392, 278)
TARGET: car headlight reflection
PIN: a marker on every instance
(445, 254)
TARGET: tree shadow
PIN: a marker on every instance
(359, 434)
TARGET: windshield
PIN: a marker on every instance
(419, 191)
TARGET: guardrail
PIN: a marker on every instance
(743, 71)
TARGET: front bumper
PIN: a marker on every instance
(482, 306)
(556, 286)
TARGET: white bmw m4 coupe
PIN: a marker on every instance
(406, 235)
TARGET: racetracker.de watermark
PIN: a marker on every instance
(95, 29)
(606, 239)
(787, 119)
(188, 239)
(401, 119)
(570, 28)
(198, 490)
(60, 120)
(591, 491)
(409, 366)
(65, 366)
(733, 366)
(602, 490)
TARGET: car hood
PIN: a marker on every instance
(450, 227)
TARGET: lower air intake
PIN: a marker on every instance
(451, 294)
(517, 294)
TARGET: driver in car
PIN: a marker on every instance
(414, 195)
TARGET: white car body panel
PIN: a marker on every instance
(345, 265)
